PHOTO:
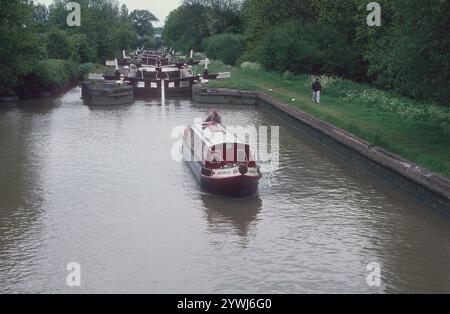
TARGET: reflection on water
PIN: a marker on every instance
(98, 186)
(224, 214)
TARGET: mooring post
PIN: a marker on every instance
(163, 91)
(117, 73)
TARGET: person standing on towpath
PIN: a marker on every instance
(316, 88)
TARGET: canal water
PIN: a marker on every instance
(98, 187)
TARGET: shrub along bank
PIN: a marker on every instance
(49, 76)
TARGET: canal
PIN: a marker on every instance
(98, 187)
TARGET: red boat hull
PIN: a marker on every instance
(238, 186)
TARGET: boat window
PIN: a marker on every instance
(241, 156)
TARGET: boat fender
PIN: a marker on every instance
(243, 169)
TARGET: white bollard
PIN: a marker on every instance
(163, 91)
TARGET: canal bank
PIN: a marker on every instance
(425, 186)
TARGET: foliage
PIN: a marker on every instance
(412, 56)
(108, 28)
(81, 48)
(307, 48)
(142, 22)
(225, 47)
(408, 53)
(195, 20)
(58, 44)
(19, 43)
(260, 16)
(54, 73)
(30, 33)
(49, 75)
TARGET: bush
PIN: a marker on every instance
(307, 48)
(59, 45)
(49, 75)
(82, 50)
(55, 73)
(225, 47)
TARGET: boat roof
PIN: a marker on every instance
(215, 134)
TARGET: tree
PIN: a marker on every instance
(102, 22)
(126, 37)
(221, 16)
(185, 29)
(409, 52)
(82, 49)
(20, 46)
(142, 22)
(260, 16)
(307, 48)
(58, 44)
(225, 47)
(40, 17)
(195, 20)
(124, 13)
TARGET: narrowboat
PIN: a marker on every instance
(221, 162)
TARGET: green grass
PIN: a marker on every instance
(418, 131)
(96, 68)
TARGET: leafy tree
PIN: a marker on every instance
(260, 16)
(411, 54)
(81, 49)
(40, 17)
(59, 45)
(185, 29)
(126, 37)
(142, 22)
(195, 20)
(225, 47)
(307, 48)
(124, 13)
(20, 46)
(221, 16)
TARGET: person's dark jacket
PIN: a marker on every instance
(214, 118)
(316, 86)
